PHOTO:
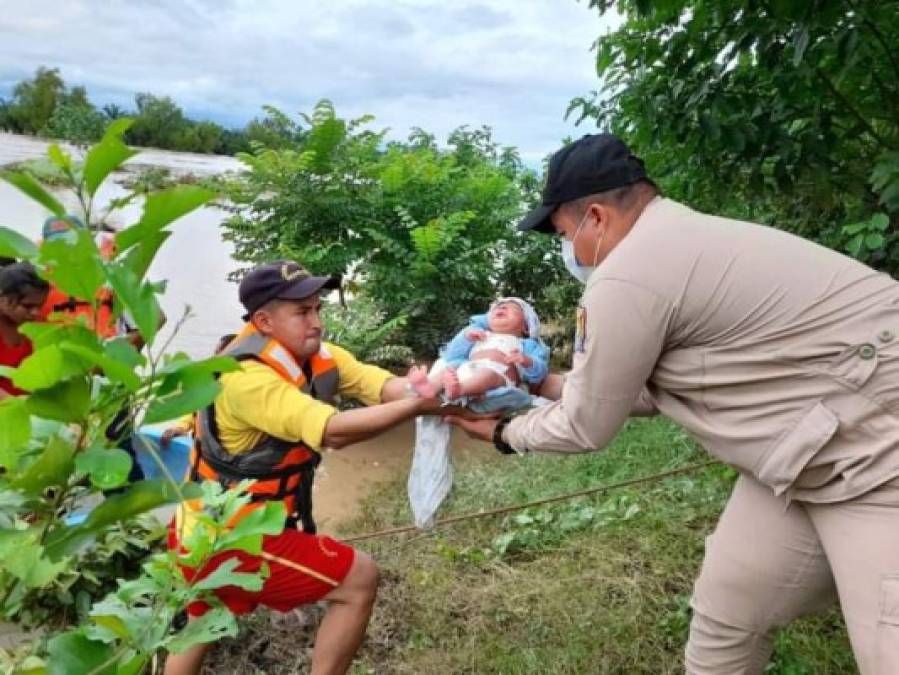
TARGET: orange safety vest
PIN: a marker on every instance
(283, 470)
(101, 321)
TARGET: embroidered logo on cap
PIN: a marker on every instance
(292, 271)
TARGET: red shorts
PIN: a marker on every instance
(303, 568)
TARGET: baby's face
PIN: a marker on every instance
(507, 318)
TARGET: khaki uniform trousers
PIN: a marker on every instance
(766, 564)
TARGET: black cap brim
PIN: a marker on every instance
(300, 290)
(303, 288)
(539, 220)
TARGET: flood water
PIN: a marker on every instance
(195, 261)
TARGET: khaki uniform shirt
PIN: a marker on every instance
(779, 355)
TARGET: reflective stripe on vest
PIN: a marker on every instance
(283, 470)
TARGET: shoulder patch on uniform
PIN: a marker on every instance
(580, 330)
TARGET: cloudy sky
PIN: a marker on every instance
(511, 64)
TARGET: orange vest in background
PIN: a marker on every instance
(102, 321)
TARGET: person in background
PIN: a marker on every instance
(22, 295)
(62, 306)
(99, 317)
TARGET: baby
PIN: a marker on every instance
(499, 349)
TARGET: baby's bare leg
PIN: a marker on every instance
(479, 382)
(425, 386)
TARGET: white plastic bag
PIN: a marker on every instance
(431, 476)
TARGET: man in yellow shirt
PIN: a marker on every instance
(268, 423)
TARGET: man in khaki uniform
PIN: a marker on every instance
(780, 356)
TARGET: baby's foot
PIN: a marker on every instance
(418, 378)
(451, 385)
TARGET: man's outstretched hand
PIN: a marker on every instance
(480, 426)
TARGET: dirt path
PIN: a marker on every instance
(345, 477)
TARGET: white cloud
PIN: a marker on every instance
(511, 64)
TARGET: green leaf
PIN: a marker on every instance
(141, 497)
(605, 55)
(107, 467)
(15, 430)
(23, 557)
(52, 468)
(855, 228)
(45, 367)
(874, 241)
(107, 155)
(224, 575)
(134, 666)
(125, 614)
(27, 184)
(122, 350)
(181, 368)
(162, 208)
(67, 401)
(113, 369)
(855, 244)
(14, 245)
(60, 158)
(215, 624)
(198, 394)
(118, 126)
(246, 535)
(138, 298)
(140, 256)
(44, 334)
(880, 221)
(74, 264)
(74, 654)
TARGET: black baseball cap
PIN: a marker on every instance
(281, 279)
(594, 163)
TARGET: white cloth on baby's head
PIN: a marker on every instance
(530, 315)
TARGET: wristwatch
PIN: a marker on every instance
(498, 442)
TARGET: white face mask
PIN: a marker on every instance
(578, 271)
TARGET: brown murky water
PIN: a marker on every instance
(347, 475)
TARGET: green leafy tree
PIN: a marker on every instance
(158, 123)
(273, 130)
(45, 106)
(35, 100)
(777, 110)
(6, 120)
(75, 122)
(55, 456)
(114, 111)
(422, 232)
(231, 142)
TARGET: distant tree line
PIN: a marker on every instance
(46, 106)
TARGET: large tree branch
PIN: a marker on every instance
(847, 105)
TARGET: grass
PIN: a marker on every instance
(592, 585)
